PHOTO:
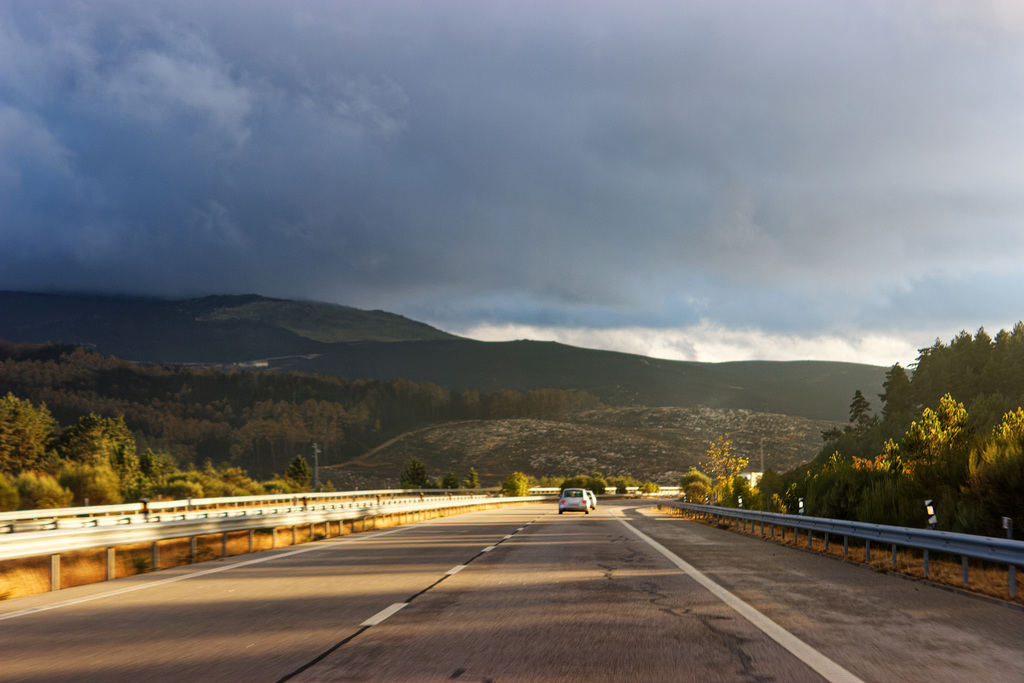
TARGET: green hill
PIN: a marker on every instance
(350, 343)
(214, 329)
(813, 389)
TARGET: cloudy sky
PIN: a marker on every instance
(691, 179)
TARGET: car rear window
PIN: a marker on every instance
(574, 494)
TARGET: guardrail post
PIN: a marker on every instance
(826, 541)
(926, 563)
(810, 537)
(894, 556)
(1013, 581)
(846, 546)
(295, 535)
(55, 572)
(963, 562)
(224, 544)
(192, 549)
(111, 567)
(273, 538)
(155, 556)
(252, 540)
(867, 550)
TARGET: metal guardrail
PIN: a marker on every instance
(62, 540)
(104, 515)
(967, 546)
(222, 522)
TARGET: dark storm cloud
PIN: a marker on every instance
(793, 167)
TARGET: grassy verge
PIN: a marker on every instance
(987, 579)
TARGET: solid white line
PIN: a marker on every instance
(204, 572)
(455, 570)
(383, 614)
(801, 650)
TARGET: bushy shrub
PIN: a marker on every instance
(97, 484)
(696, 486)
(40, 491)
(516, 484)
(277, 485)
(180, 489)
(10, 499)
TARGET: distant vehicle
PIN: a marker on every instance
(574, 499)
(592, 498)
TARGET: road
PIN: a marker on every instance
(517, 594)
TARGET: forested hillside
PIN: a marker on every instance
(952, 431)
(255, 420)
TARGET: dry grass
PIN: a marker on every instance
(984, 578)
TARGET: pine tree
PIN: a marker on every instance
(299, 473)
(415, 475)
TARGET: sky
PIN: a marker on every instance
(707, 180)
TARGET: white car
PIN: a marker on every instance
(592, 498)
(574, 500)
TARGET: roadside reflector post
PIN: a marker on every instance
(930, 510)
(1012, 569)
(111, 568)
(55, 572)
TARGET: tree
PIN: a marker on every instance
(25, 435)
(695, 485)
(99, 440)
(472, 479)
(415, 474)
(649, 487)
(898, 396)
(450, 481)
(723, 464)
(516, 484)
(860, 411)
(299, 473)
(771, 486)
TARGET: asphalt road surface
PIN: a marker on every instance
(519, 594)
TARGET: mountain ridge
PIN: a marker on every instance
(341, 341)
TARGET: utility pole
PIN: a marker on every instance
(316, 466)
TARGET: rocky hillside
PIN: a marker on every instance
(647, 443)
